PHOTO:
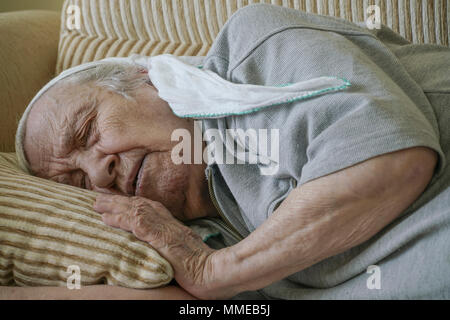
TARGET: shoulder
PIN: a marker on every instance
(269, 17)
(252, 26)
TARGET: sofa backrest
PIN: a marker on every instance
(92, 30)
(28, 54)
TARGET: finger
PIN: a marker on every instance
(122, 221)
(113, 204)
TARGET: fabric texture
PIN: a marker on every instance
(110, 28)
(192, 92)
(393, 104)
(119, 28)
(46, 227)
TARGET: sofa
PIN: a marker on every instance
(42, 224)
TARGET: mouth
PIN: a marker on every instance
(138, 177)
(133, 179)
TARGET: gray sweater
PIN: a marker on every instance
(399, 98)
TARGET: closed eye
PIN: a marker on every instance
(87, 130)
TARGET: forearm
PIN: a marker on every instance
(94, 292)
(321, 219)
(288, 242)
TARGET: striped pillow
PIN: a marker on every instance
(46, 227)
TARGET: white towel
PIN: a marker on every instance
(193, 92)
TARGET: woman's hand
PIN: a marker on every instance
(150, 221)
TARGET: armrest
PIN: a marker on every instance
(28, 51)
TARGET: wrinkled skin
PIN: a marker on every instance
(95, 139)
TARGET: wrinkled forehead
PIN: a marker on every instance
(52, 119)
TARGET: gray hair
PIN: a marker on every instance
(121, 77)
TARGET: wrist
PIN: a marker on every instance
(221, 278)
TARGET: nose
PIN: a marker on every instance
(101, 169)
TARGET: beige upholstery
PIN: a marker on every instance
(28, 50)
(46, 227)
(188, 27)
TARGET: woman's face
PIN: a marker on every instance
(91, 138)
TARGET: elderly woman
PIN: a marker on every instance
(361, 183)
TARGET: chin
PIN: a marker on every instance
(163, 181)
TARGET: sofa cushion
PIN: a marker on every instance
(113, 28)
(49, 230)
(28, 54)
